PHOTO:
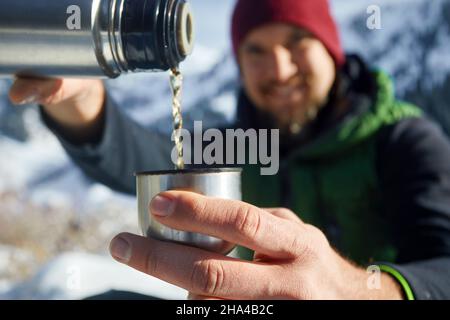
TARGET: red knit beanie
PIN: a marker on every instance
(312, 15)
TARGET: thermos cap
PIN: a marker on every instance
(156, 34)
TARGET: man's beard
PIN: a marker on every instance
(300, 116)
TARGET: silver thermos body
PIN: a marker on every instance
(93, 38)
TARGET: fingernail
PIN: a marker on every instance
(162, 206)
(33, 98)
(121, 250)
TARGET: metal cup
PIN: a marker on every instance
(222, 183)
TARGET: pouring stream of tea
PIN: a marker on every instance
(176, 83)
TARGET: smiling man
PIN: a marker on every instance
(364, 179)
(287, 72)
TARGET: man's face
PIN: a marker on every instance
(287, 73)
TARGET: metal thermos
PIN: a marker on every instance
(93, 38)
(219, 183)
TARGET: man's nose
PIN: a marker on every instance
(282, 67)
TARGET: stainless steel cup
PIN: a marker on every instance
(222, 183)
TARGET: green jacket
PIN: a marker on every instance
(334, 181)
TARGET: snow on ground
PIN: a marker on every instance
(74, 276)
(42, 170)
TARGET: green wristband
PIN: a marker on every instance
(401, 279)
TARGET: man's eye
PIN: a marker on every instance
(299, 44)
(254, 51)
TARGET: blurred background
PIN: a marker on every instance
(55, 224)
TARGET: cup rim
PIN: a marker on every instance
(187, 171)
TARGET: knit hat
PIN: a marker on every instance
(312, 15)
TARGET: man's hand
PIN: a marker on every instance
(293, 260)
(76, 105)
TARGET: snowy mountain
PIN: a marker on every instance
(413, 45)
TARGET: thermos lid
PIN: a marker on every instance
(156, 34)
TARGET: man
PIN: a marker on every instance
(366, 176)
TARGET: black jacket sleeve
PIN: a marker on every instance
(413, 163)
(124, 148)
